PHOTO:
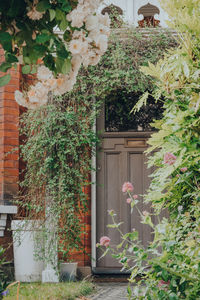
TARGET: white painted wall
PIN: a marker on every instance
(130, 8)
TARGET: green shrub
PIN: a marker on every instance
(4, 281)
(170, 266)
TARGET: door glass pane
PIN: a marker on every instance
(119, 119)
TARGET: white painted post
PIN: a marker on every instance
(50, 273)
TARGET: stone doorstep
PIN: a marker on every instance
(3, 216)
(8, 209)
(2, 223)
(4, 211)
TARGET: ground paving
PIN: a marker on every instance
(111, 291)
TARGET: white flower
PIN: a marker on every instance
(65, 84)
(94, 4)
(19, 97)
(79, 34)
(41, 92)
(104, 29)
(20, 59)
(32, 95)
(38, 93)
(104, 19)
(76, 46)
(92, 23)
(93, 34)
(101, 42)
(50, 83)
(76, 17)
(91, 58)
(76, 63)
(44, 73)
(33, 14)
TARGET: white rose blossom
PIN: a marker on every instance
(20, 99)
(86, 47)
(43, 73)
(33, 14)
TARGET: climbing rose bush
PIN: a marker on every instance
(63, 34)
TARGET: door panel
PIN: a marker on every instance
(120, 161)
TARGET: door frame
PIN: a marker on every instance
(99, 125)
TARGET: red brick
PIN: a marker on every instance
(11, 172)
(9, 103)
(11, 119)
(9, 96)
(11, 141)
(11, 188)
(7, 148)
(10, 179)
(9, 126)
(10, 164)
(10, 88)
(14, 82)
(11, 111)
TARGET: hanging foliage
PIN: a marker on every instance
(63, 34)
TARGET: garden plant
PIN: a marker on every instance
(58, 154)
(4, 280)
(49, 41)
(169, 268)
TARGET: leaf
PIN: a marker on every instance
(142, 101)
(63, 24)
(66, 66)
(186, 69)
(59, 14)
(173, 296)
(5, 66)
(129, 290)
(52, 14)
(133, 235)
(26, 69)
(165, 275)
(43, 6)
(10, 58)
(42, 38)
(5, 80)
(6, 40)
(33, 70)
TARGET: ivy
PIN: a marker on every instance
(59, 137)
(58, 162)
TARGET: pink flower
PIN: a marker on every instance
(145, 213)
(163, 285)
(183, 169)
(169, 158)
(127, 187)
(128, 200)
(104, 241)
(135, 197)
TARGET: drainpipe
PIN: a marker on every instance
(93, 200)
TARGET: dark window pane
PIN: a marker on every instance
(118, 117)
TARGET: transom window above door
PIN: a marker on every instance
(119, 119)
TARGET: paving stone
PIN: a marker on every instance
(111, 291)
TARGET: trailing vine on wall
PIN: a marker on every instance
(58, 138)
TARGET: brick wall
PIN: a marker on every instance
(9, 139)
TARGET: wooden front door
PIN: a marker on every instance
(120, 159)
